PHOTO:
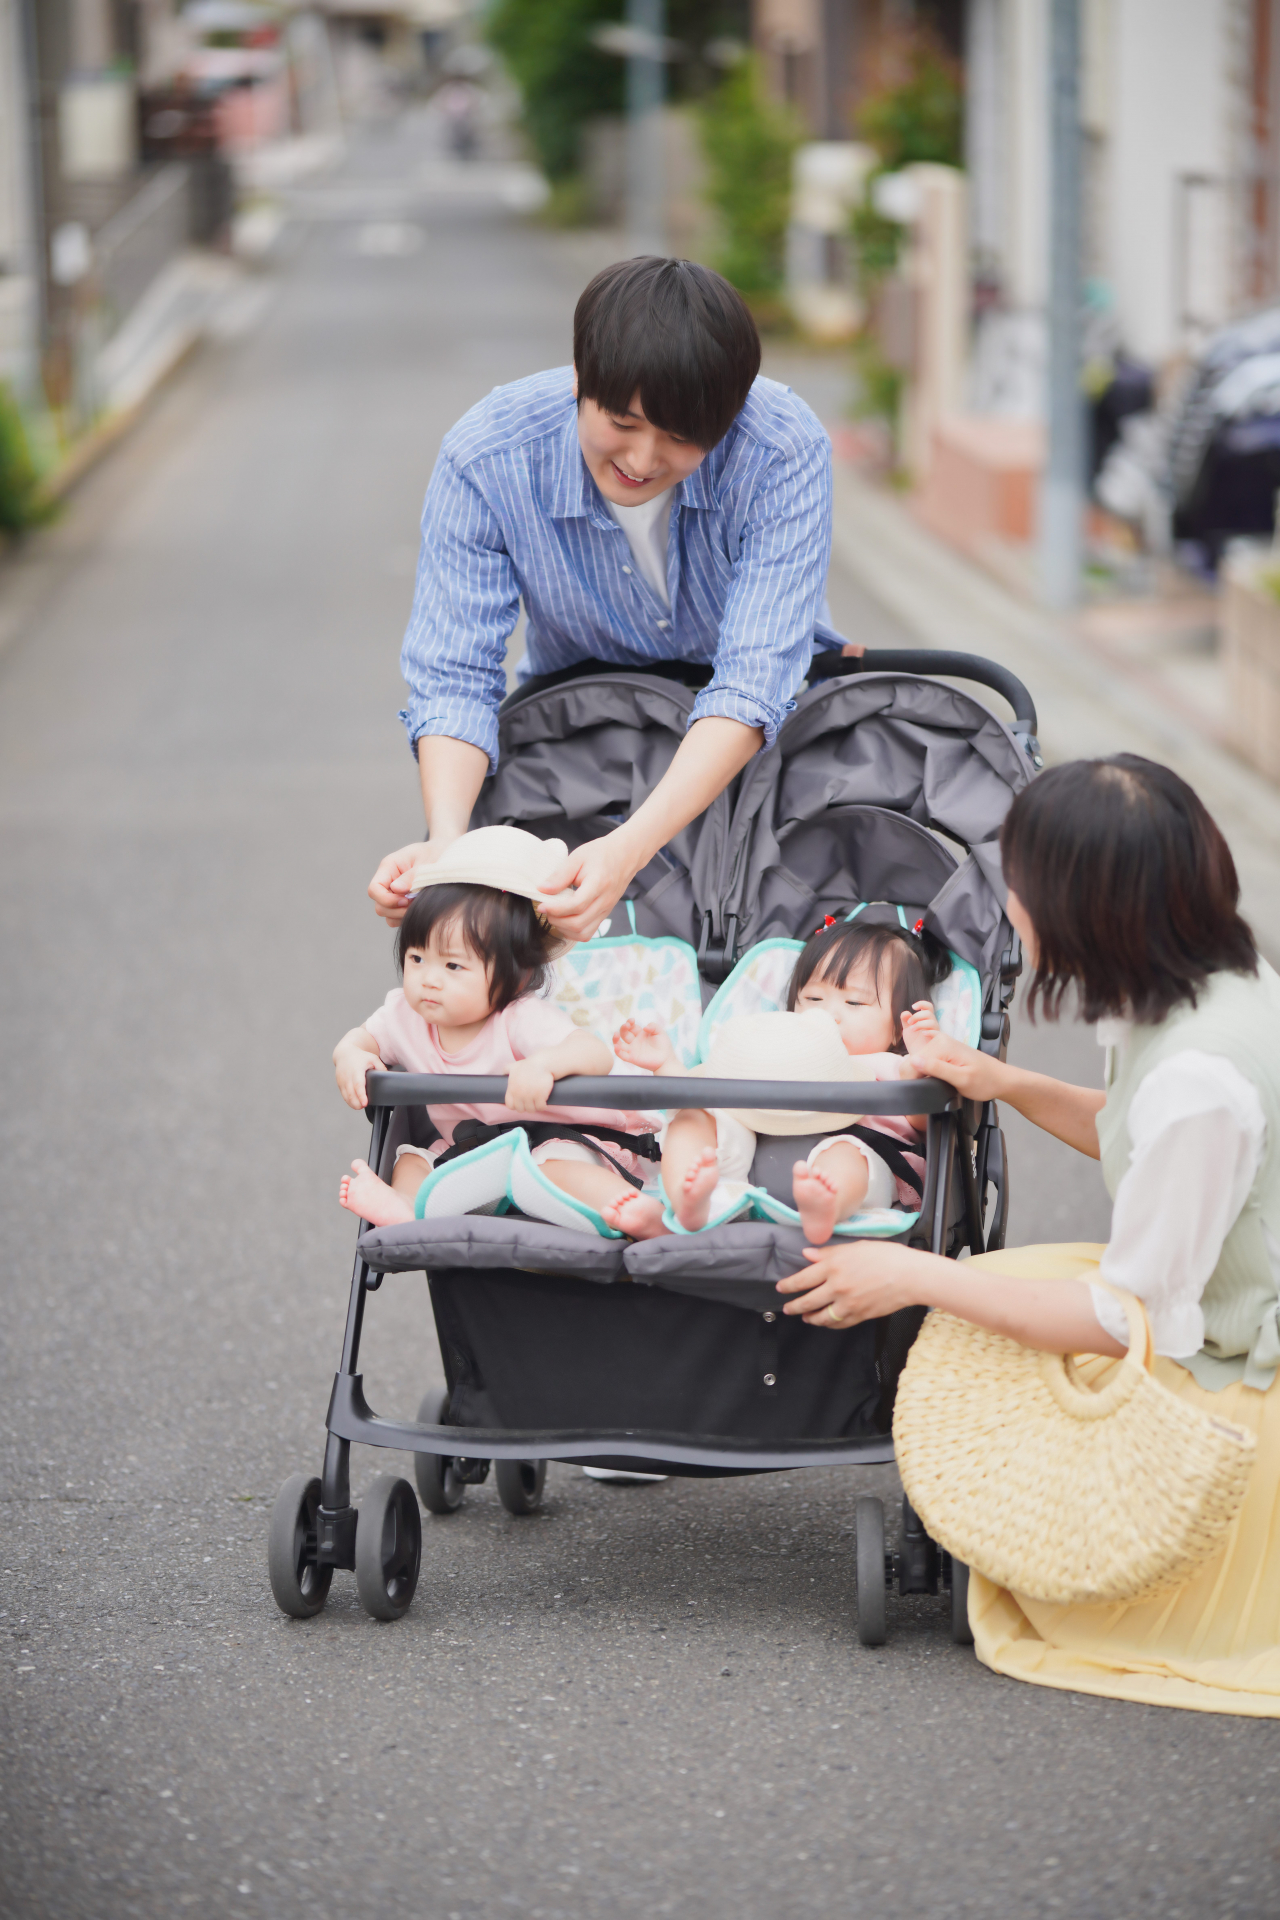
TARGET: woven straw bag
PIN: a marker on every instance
(1058, 1492)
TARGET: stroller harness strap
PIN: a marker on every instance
(891, 1153)
(469, 1134)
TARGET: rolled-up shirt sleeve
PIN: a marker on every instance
(776, 593)
(1197, 1132)
(465, 605)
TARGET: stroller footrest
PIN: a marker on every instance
(336, 1537)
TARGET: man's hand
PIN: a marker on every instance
(647, 1046)
(589, 884)
(529, 1084)
(390, 884)
(845, 1285)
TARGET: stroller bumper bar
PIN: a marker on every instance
(662, 1092)
(351, 1418)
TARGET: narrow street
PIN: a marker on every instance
(646, 1700)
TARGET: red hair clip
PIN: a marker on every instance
(919, 926)
(828, 921)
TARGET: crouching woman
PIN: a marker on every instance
(1121, 886)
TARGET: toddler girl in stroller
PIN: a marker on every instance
(859, 983)
(474, 955)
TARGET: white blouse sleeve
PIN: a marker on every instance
(1198, 1132)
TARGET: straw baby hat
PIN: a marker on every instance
(505, 858)
(783, 1046)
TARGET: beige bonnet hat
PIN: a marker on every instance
(505, 858)
(783, 1046)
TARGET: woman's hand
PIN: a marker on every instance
(647, 1046)
(529, 1084)
(936, 1056)
(864, 1280)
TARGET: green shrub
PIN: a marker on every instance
(23, 502)
(917, 119)
(749, 143)
(921, 117)
(563, 78)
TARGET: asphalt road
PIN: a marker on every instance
(644, 1701)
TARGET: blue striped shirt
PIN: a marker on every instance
(512, 512)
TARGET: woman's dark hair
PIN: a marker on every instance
(677, 333)
(502, 928)
(917, 962)
(1129, 885)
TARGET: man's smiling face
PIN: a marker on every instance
(629, 459)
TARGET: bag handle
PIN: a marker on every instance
(1058, 1370)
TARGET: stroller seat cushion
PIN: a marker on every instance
(605, 981)
(482, 1240)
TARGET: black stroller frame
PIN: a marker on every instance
(315, 1529)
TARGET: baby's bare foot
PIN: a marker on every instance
(693, 1202)
(362, 1193)
(639, 1215)
(815, 1197)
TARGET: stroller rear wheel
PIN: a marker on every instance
(519, 1484)
(299, 1585)
(868, 1526)
(441, 1487)
(388, 1547)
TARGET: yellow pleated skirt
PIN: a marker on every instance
(1213, 1643)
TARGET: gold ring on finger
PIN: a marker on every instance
(832, 1315)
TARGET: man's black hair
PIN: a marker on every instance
(676, 333)
(502, 928)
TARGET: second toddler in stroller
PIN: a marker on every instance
(861, 978)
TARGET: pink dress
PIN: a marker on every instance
(406, 1040)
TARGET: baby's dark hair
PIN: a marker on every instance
(502, 928)
(918, 963)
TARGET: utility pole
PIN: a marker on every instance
(646, 77)
(1062, 488)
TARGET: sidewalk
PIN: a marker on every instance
(1098, 688)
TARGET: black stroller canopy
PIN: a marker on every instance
(885, 786)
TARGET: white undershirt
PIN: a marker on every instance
(646, 527)
(1198, 1134)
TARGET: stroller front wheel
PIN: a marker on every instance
(388, 1547)
(519, 1484)
(868, 1527)
(299, 1585)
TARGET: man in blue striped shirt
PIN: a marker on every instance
(658, 501)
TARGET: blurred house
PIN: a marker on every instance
(1180, 113)
(124, 125)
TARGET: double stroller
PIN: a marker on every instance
(883, 794)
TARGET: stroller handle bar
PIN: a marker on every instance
(664, 1091)
(829, 665)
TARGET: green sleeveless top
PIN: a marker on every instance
(1238, 1017)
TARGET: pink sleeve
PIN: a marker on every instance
(532, 1023)
(381, 1026)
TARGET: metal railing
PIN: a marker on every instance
(139, 241)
